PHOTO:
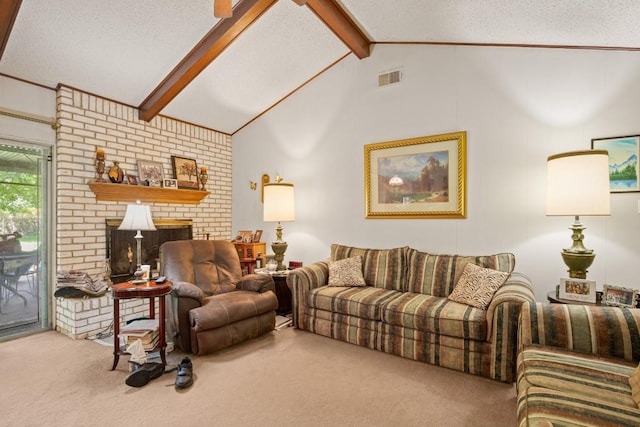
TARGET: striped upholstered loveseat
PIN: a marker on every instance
(574, 365)
(404, 309)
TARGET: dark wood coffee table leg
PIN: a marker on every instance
(116, 333)
(161, 330)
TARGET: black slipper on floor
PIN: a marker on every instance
(145, 373)
(184, 377)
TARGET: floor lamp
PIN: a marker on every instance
(279, 205)
(138, 217)
(578, 184)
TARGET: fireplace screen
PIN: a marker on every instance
(121, 245)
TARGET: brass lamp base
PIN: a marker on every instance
(578, 263)
(577, 257)
(279, 248)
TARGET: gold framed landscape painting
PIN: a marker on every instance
(421, 177)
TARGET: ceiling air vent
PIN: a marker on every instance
(389, 78)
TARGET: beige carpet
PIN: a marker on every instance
(286, 378)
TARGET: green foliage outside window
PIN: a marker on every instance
(19, 201)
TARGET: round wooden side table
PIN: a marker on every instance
(553, 298)
(150, 290)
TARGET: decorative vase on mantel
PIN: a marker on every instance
(116, 174)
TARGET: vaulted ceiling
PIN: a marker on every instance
(174, 58)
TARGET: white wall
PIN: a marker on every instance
(517, 105)
(30, 99)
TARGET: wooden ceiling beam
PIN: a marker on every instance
(8, 12)
(342, 25)
(209, 48)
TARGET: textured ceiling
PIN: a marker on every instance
(122, 49)
(610, 23)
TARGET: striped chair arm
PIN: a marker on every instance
(502, 324)
(301, 281)
(515, 291)
(604, 331)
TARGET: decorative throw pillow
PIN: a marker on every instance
(477, 285)
(346, 272)
(634, 382)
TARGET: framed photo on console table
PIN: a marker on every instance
(619, 296)
(577, 290)
(416, 178)
(185, 171)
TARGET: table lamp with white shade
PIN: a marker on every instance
(578, 184)
(138, 217)
(279, 205)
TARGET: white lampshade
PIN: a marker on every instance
(279, 202)
(137, 217)
(578, 183)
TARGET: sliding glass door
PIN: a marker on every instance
(24, 243)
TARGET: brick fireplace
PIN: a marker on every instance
(88, 122)
(120, 242)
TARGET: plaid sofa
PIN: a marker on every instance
(574, 364)
(404, 309)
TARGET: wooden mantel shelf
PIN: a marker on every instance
(106, 191)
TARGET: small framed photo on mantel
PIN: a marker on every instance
(170, 183)
(577, 290)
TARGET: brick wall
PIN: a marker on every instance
(88, 122)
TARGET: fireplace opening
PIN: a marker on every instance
(121, 245)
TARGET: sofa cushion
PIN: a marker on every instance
(436, 315)
(592, 377)
(224, 309)
(382, 268)
(365, 302)
(540, 406)
(346, 272)
(477, 285)
(437, 275)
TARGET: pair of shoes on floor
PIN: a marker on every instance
(144, 373)
(184, 377)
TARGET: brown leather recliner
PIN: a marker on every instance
(212, 306)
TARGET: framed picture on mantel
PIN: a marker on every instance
(151, 172)
(186, 172)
